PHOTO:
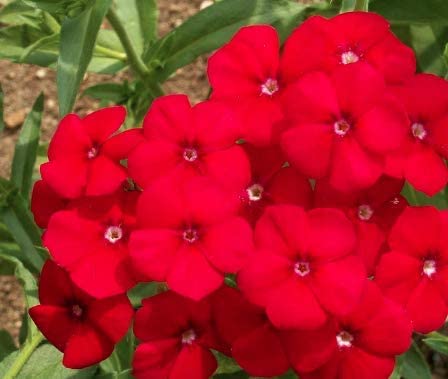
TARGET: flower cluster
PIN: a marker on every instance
(272, 211)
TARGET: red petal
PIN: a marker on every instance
(194, 362)
(45, 202)
(49, 294)
(104, 176)
(153, 360)
(102, 123)
(121, 145)
(360, 364)
(192, 276)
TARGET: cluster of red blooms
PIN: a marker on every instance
(289, 177)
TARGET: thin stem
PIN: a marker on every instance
(362, 5)
(135, 60)
(110, 53)
(24, 354)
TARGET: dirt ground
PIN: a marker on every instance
(23, 83)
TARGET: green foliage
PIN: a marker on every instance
(437, 342)
(7, 345)
(2, 121)
(412, 365)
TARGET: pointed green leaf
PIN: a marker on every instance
(78, 36)
(26, 149)
(437, 342)
(414, 364)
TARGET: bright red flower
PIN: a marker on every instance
(304, 259)
(45, 202)
(83, 328)
(176, 336)
(186, 141)
(272, 183)
(244, 74)
(363, 344)
(421, 161)
(189, 237)
(415, 271)
(344, 125)
(84, 159)
(349, 38)
(255, 343)
(373, 211)
(90, 241)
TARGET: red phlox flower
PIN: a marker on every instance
(84, 159)
(272, 183)
(364, 343)
(415, 271)
(303, 260)
(244, 74)
(83, 328)
(186, 141)
(421, 161)
(189, 236)
(373, 211)
(255, 343)
(90, 241)
(176, 336)
(344, 125)
(349, 38)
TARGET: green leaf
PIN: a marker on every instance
(7, 345)
(215, 25)
(112, 92)
(226, 365)
(414, 365)
(17, 218)
(78, 36)
(139, 18)
(46, 363)
(437, 342)
(121, 358)
(415, 197)
(142, 291)
(17, 13)
(26, 149)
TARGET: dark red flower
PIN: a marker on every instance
(344, 125)
(45, 202)
(255, 343)
(83, 328)
(84, 159)
(349, 38)
(186, 141)
(176, 336)
(361, 345)
(373, 211)
(421, 160)
(272, 183)
(190, 236)
(90, 241)
(304, 259)
(415, 271)
(244, 74)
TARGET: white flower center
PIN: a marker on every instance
(77, 311)
(365, 212)
(113, 234)
(190, 154)
(92, 153)
(302, 268)
(188, 337)
(255, 192)
(349, 57)
(344, 339)
(190, 235)
(341, 127)
(269, 87)
(429, 267)
(419, 131)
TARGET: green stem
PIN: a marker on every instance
(362, 5)
(110, 53)
(134, 58)
(24, 354)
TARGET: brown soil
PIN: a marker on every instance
(23, 83)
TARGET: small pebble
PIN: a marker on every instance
(15, 119)
(205, 4)
(41, 73)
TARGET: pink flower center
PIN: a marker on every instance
(349, 57)
(344, 339)
(269, 87)
(77, 310)
(113, 234)
(92, 153)
(188, 337)
(190, 154)
(429, 267)
(419, 131)
(190, 235)
(302, 268)
(365, 212)
(341, 127)
(255, 192)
